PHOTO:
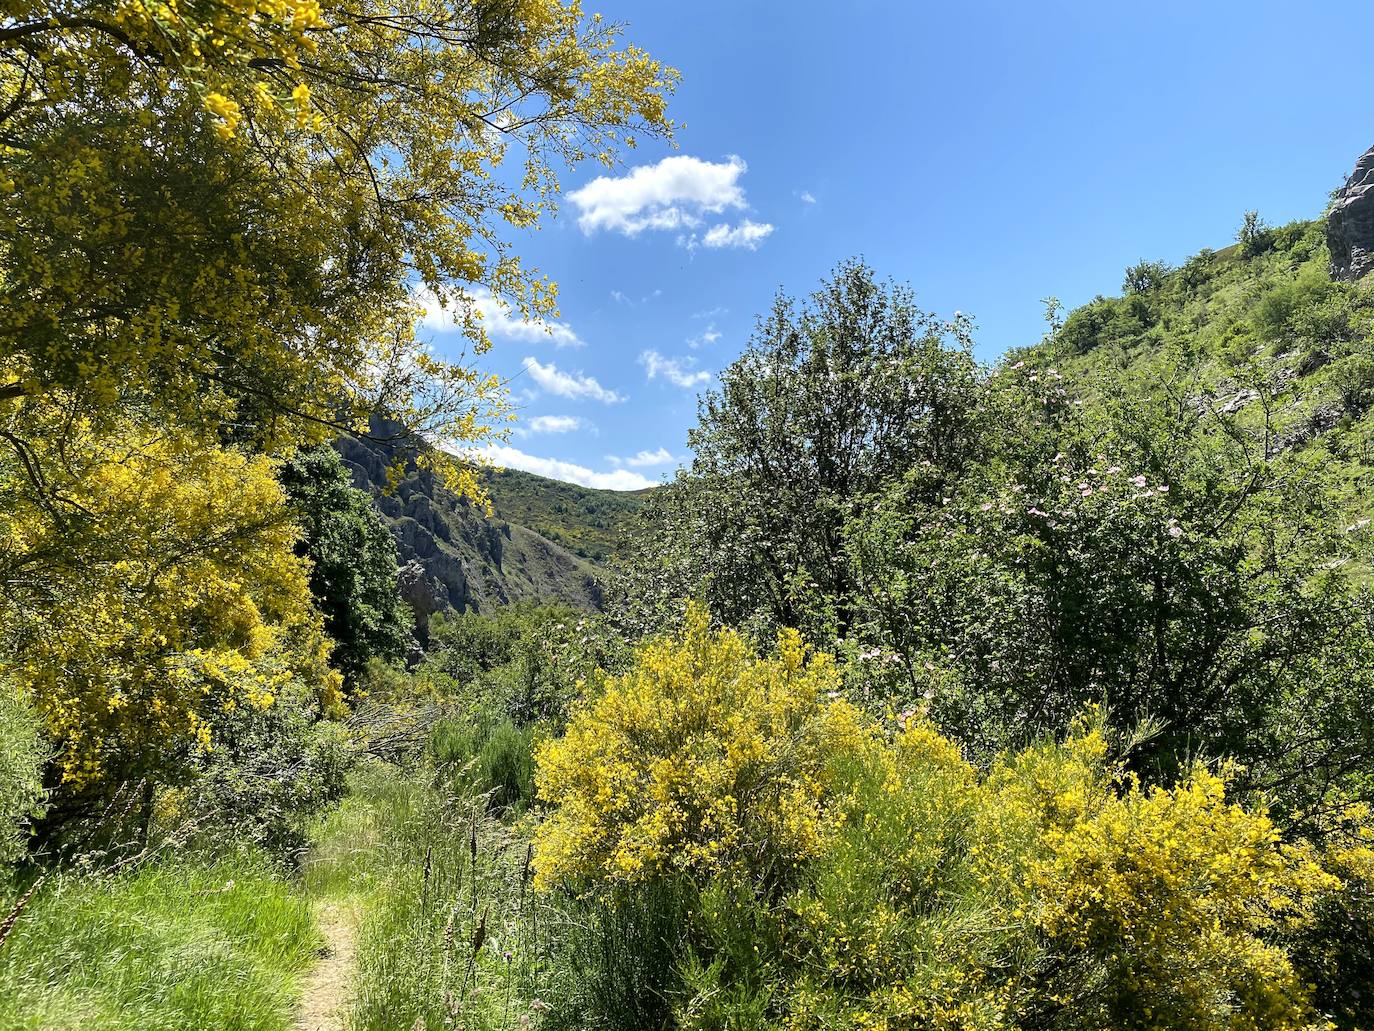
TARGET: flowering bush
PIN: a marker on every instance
(1164, 906)
(700, 759)
(852, 875)
(173, 600)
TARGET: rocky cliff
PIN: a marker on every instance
(453, 555)
(1350, 223)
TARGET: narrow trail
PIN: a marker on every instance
(324, 1001)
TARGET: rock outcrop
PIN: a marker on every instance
(1350, 223)
(453, 555)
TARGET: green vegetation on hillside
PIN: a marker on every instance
(584, 520)
(1258, 331)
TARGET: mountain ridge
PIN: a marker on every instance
(545, 541)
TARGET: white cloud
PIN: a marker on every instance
(711, 313)
(647, 458)
(747, 235)
(552, 424)
(677, 371)
(557, 469)
(571, 385)
(807, 197)
(706, 337)
(620, 297)
(500, 322)
(671, 195)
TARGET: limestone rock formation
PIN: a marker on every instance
(453, 555)
(1350, 224)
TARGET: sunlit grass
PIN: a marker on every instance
(172, 946)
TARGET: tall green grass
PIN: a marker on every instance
(180, 946)
(448, 933)
(494, 759)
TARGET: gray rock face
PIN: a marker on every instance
(452, 555)
(423, 593)
(1350, 225)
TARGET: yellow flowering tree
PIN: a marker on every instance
(217, 222)
(169, 596)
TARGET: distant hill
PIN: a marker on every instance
(546, 540)
(582, 519)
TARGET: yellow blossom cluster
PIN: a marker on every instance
(170, 592)
(700, 758)
(911, 890)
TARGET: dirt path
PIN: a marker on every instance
(324, 1002)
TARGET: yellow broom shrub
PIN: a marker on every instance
(1052, 890)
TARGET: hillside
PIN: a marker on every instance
(584, 520)
(1260, 330)
(544, 541)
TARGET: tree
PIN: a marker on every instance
(832, 397)
(1143, 554)
(218, 224)
(220, 213)
(177, 598)
(352, 561)
(1254, 235)
(1145, 277)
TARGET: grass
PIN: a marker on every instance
(434, 880)
(495, 759)
(176, 946)
(448, 929)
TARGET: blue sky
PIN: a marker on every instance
(988, 154)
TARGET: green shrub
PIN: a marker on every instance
(23, 752)
(614, 960)
(1294, 308)
(271, 771)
